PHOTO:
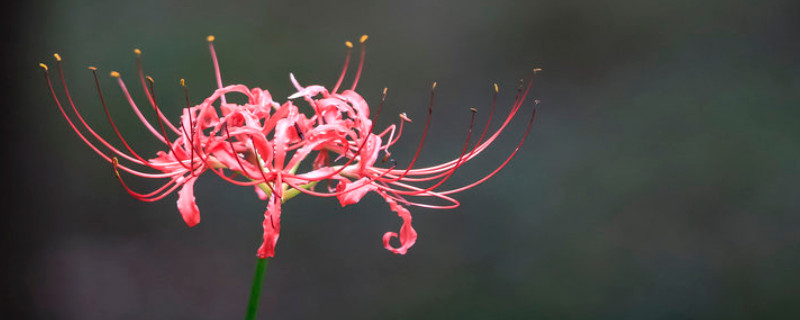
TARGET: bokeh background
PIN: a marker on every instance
(659, 182)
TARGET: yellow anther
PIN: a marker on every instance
(348, 44)
(210, 38)
(363, 38)
(92, 68)
(115, 74)
(115, 164)
(473, 110)
(44, 66)
(405, 117)
(535, 70)
(183, 82)
(433, 87)
(137, 52)
(384, 90)
(496, 88)
(58, 57)
(149, 78)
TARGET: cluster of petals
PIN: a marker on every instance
(263, 144)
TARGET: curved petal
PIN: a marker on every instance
(407, 236)
(359, 189)
(187, 205)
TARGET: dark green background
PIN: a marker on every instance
(660, 180)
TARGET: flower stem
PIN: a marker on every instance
(255, 292)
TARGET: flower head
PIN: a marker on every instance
(262, 144)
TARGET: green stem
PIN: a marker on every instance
(255, 292)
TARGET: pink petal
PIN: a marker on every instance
(272, 229)
(186, 203)
(358, 102)
(309, 91)
(407, 237)
(353, 192)
(261, 194)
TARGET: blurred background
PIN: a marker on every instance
(659, 180)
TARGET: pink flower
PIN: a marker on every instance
(262, 143)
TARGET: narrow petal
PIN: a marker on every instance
(272, 229)
(407, 236)
(186, 203)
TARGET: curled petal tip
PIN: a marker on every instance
(57, 56)
(405, 117)
(210, 38)
(43, 66)
(363, 38)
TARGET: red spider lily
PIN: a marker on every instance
(262, 144)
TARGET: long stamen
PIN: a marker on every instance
(80, 117)
(189, 112)
(192, 145)
(151, 97)
(471, 154)
(217, 73)
(146, 197)
(360, 61)
(63, 113)
(393, 195)
(491, 114)
(88, 143)
(349, 46)
(375, 120)
(135, 108)
(521, 95)
(458, 164)
(424, 134)
(111, 121)
(152, 91)
(519, 145)
(380, 105)
(81, 135)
